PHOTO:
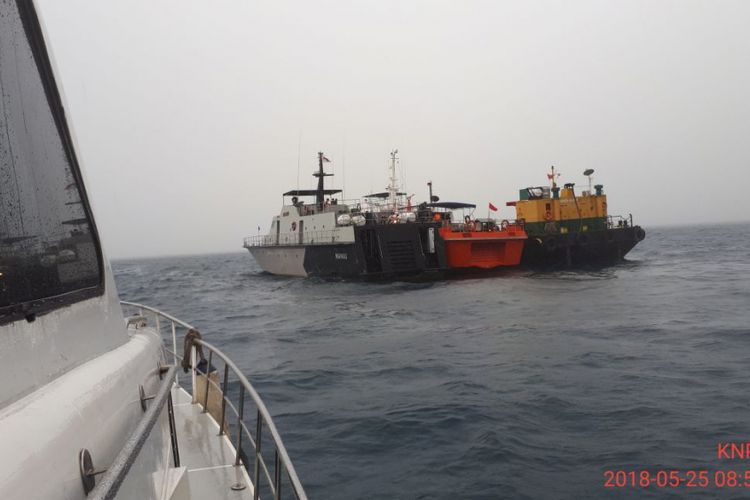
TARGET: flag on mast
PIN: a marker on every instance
(493, 207)
(326, 160)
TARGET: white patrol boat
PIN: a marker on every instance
(92, 404)
(382, 236)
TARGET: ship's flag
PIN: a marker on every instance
(326, 159)
(493, 207)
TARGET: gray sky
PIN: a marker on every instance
(188, 113)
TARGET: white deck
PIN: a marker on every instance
(207, 457)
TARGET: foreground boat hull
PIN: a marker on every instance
(579, 249)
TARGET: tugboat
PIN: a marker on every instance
(568, 230)
(377, 238)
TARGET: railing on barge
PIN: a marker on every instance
(619, 221)
(281, 461)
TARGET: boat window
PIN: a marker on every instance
(535, 193)
(49, 252)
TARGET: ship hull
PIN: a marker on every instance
(281, 260)
(481, 252)
(378, 252)
(603, 247)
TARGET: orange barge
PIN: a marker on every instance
(479, 243)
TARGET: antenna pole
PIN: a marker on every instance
(392, 187)
(299, 156)
(343, 169)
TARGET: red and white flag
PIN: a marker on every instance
(326, 159)
(493, 207)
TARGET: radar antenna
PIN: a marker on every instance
(588, 173)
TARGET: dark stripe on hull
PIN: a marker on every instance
(335, 261)
(579, 249)
(379, 252)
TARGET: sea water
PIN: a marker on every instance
(522, 385)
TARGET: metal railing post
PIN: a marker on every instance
(277, 474)
(174, 350)
(173, 431)
(208, 370)
(194, 378)
(239, 425)
(256, 470)
(224, 399)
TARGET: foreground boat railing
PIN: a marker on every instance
(214, 397)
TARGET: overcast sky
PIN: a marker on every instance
(189, 113)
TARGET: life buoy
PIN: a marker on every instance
(504, 225)
(294, 226)
(547, 215)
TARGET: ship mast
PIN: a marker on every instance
(552, 176)
(392, 187)
(320, 174)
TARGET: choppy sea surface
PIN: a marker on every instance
(523, 385)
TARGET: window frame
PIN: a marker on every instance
(30, 309)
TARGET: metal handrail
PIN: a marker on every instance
(316, 237)
(281, 457)
(621, 220)
(266, 418)
(116, 473)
